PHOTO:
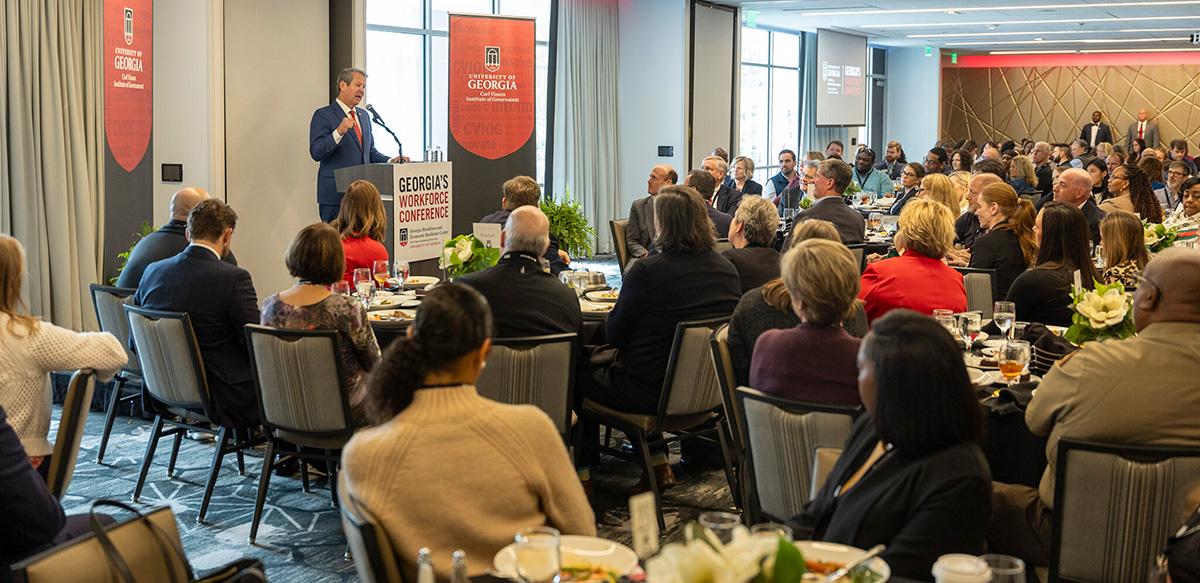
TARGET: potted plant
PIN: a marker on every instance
(567, 222)
(124, 257)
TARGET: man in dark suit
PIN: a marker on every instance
(1040, 156)
(639, 232)
(1075, 187)
(330, 145)
(525, 300)
(833, 176)
(1146, 130)
(1096, 132)
(722, 197)
(219, 298)
(167, 241)
(522, 191)
(703, 182)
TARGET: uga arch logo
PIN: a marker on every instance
(491, 59)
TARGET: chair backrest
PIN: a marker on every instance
(981, 289)
(719, 343)
(170, 358)
(70, 431)
(82, 560)
(618, 234)
(859, 250)
(533, 370)
(374, 557)
(723, 245)
(302, 395)
(691, 385)
(783, 441)
(1115, 506)
(109, 302)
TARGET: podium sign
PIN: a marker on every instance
(422, 210)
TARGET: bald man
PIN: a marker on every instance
(1144, 129)
(1132, 391)
(639, 231)
(1074, 186)
(167, 241)
(526, 300)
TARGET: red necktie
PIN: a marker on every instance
(357, 130)
(1140, 127)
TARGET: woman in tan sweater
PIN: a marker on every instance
(447, 469)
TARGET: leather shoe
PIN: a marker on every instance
(664, 476)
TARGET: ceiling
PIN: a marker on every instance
(986, 26)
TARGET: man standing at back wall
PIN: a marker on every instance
(339, 135)
(1142, 129)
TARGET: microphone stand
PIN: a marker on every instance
(379, 120)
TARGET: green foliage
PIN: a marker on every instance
(806, 203)
(465, 254)
(789, 563)
(567, 222)
(1159, 237)
(124, 257)
(1084, 302)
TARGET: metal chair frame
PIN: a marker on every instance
(130, 374)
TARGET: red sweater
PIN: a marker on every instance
(361, 252)
(911, 281)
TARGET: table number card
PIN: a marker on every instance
(487, 233)
(643, 519)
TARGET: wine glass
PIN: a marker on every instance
(580, 280)
(538, 559)
(341, 286)
(1014, 357)
(565, 277)
(874, 220)
(401, 272)
(721, 523)
(1005, 569)
(1003, 314)
(969, 329)
(364, 283)
(379, 269)
(946, 319)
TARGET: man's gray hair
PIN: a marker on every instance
(347, 76)
(721, 165)
(759, 220)
(814, 164)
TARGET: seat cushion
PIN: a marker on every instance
(646, 422)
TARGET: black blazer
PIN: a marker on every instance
(755, 265)
(31, 514)
(525, 300)
(219, 298)
(1042, 296)
(557, 265)
(1045, 175)
(999, 250)
(920, 507)
(750, 187)
(166, 242)
(905, 196)
(728, 199)
(1104, 134)
(966, 229)
(1094, 214)
(851, 226)
(721, 221)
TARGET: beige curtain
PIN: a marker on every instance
(52, 150)
(586, 148)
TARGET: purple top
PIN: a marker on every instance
(810, 363)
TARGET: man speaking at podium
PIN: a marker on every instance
(340, 136)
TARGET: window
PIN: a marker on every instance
(407, 55)
(770, 98)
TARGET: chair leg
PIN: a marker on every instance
(333, 471)
(263, 481)
(222, 439)
(642, 442)
(109, 416)
(303, 470)
(607, 436)
(727, 451)
(240, 436)
(175, 452)
(155, 433)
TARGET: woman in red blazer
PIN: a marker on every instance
(361, 223)
(918, 279)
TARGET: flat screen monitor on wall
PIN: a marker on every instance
(841, 79)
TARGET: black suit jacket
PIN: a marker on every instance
(1045, 176)
(728, 199)
(966, 229)
(525, 300)
(166, 242)
(557, 265)
(1093, 214)
(1103, 135)
(219, 298)
(850, 224)
(721, 221)
(905, 196)
(999, 250)
(751, 187)
(32, 516)
(755, 265)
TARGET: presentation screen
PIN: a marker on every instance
(841, 79)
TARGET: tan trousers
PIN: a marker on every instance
(1021, 524)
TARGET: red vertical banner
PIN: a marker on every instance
(128, 72)
(492, 79)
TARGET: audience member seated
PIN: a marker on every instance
(918, 279)
(937, 161)
(1188, 215)
(1097, 169)
(1130, 391)
(1125, 254)
(910, 185)
(743, 176)
(1008, 245)
(770, 308)
(814, 361)
(522, 191)
(639, 231)
(1042, 292)
(787, 172)
(1023, 178)
(686, 280)
(510, 468)
(867, 177)
(167, 241)
(1179, 152)
(894, 160)
(31, 349)
(940, 188)
(1170, 196)
(962, 183)
(911, 475)
(315, 258)
(960, 161)
(1043, 166)
(751, 233)
(362, 223)
(1133, 194)
(801, 187)
(1075, 188)
(220, 300)
(966, 226)
(525, 300)
(832, 179)
(1154, 170)
(700, 180)
(723, 197)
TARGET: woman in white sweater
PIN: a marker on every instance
(29, 349)
(447, 469)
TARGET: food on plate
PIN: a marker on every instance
(387, 316)
(607, 308)
(611, 294)
(577, 574)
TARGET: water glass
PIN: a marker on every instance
(538, 559)
(1005, 569)
(565, 277)
(341, 286)
(1003, 314)
(364, 283)
(400, 269)
(721, 523)
(579, 281)
(1013, 360)
(969, 328)
(772, 530)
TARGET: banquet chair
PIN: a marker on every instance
(730, 425)
(108, 302)
(176, 390)
(374, 558)
(723, 245)
(1115, 505)
(618, 234)
(302, 400)
(70, 431)
(534, 370)
(690, 398)
(859, 250)
(981, 289)
(790, 448)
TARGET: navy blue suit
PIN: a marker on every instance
(219, 299)
(333, 155)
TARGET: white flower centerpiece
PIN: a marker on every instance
(1158, 237)
(1105, 312)
(465, 254)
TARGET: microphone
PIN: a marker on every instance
(374, 114)
(379, 120)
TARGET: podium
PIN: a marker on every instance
(419, 203)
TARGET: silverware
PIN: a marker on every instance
(875, 550)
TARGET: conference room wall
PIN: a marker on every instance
(912, 99)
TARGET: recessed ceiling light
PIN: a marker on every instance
(1042, 7)
(1039, 39)
(953, 12)
(993, 26)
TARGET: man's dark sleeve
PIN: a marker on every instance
(31, 514)
(244, 307)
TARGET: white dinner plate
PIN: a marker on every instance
(420, 281)
(983, 378)
(387, 315)
(835, 553)
(576, 551)
(995, 342)
(603, 295)
(595, 307)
